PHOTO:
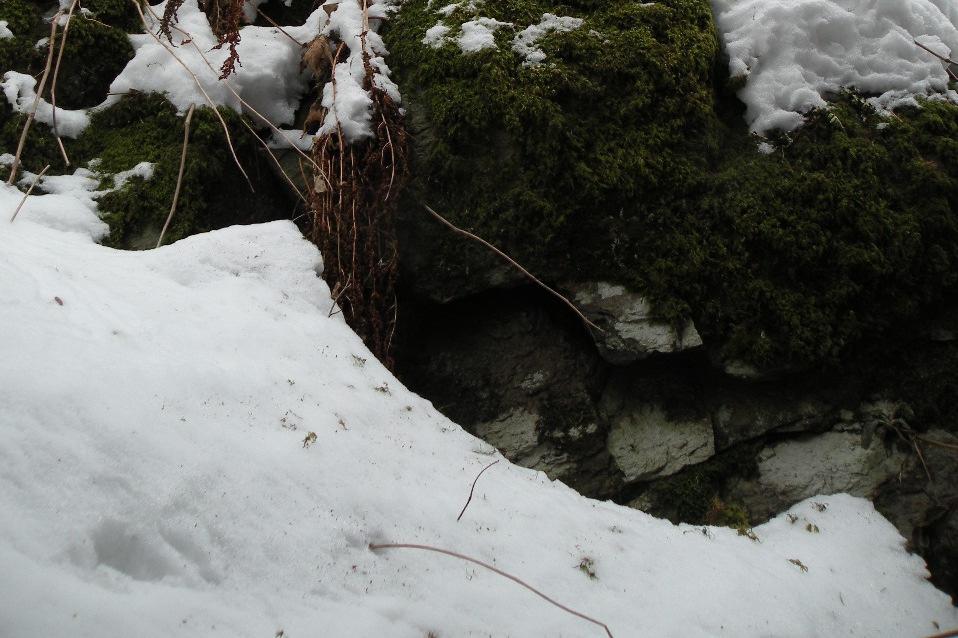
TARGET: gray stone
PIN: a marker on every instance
(631, 330)
(646, 444)
(830, 463)
(744, 415)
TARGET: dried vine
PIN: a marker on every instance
(225, 18)
(352, 210)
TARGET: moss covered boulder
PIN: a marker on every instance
(618, 153)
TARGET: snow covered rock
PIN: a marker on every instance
(795, 54)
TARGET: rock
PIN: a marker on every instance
(632, 330)
(646, 444)
(749, 412)
(828, 463)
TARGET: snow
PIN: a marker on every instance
(268, 76)
(348, 104)
(143, 170)
(436, 35)
(154, 479)
(525, 40)
(20, 91)
(797, 52)
(5, 31)
(479, 34)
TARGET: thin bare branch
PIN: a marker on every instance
(281, 29)
(515, 264)
(475, 480)
(36, 100)
(430, 548)
(947, 634)
(199, 85)
(179, 176)
(53, 83)
(943, 58)
(29, 190)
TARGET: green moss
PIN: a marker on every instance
(624, 157)
(116, 13)
(26, 23)
(146, 128)
(94, 55)
(527, 156)
(690, 496)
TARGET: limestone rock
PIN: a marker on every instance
(829, 463)
(752, 412)
(632, 330)
(646, 444)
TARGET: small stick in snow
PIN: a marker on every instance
(36, 101)
(469, 500)
(514, 263)
(281, 29)
(53, 83)
(29, 190)
(947, 634)
(199, 85)
(430, 548)
(179, 175)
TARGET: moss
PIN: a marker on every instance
(214, 194)
(624, 157)
(119, 14)
(26, 23)
(526, 156)
(94, 55)
(690, 496)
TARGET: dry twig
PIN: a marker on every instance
(179, 175)
(53, 83)
(27, 194)
(36, 101)
(515, 264)
(469, 500)
(281, 29)
(378, 546)
(943, 58)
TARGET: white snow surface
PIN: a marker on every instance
(20, 92)
(154, 480)
(268, 76)
(5, 32)
(795, 52)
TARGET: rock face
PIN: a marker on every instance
(830, 463)
(631, 330)
(646, 444)
(743, 413)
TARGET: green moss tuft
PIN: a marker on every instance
(119, 14)
(94, 55)
(26, 23)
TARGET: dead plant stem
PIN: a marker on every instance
(471, 489)
(36, 100)
(515, 264)
(430, 548)
(29, 190)
(53, 83)
(179, 175)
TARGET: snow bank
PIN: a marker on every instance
(5, 32)
(795, 52)
(154, 479)
(20, 91)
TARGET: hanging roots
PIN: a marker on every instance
(352, 203)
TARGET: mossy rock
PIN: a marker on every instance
(531, 157)
(146, 128)
(624, 157)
